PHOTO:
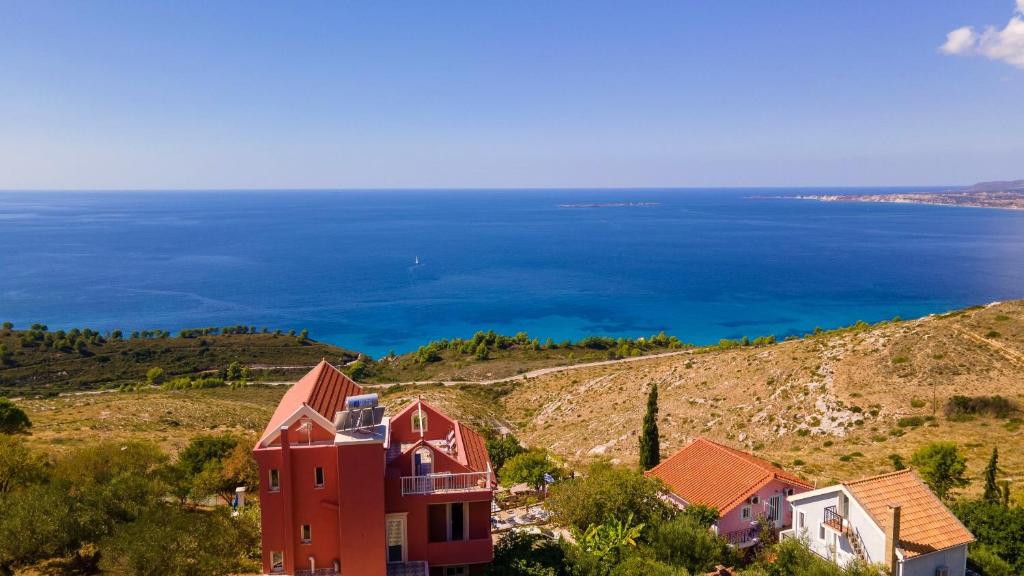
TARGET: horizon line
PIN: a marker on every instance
(483, 188)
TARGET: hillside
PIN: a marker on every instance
(40, 361)
(830, 406)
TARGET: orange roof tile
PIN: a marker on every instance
(708, 473)
(324, 388)
(474, 447)
(926, 525)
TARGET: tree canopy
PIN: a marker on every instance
(942, 467)
(12, 418)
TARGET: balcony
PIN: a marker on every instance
(834, 520)
(742, 538)
(475, 551)
(445, 483)
(415, 568)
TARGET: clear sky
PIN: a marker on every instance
(506, 94)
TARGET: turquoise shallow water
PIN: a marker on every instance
(700, 264)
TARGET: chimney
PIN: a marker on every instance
(892, 539)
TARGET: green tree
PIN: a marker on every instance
(523, 554)
(176, 542)
(530, 467)
(942, 467)
(204, 449)
(482, 353)
(995, 527)
(13, 419)
(636, 565)
(604, 492)
(234, 372)
(304, 335)
(116, 335)
(992, 492)
(8, 326)
(986, 562)
(702, 515)
(19, 466)
(502, 448)
(6, 356)
(155, 375)
(650, 445)
(685, 542)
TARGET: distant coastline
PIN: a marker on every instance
(997, 195)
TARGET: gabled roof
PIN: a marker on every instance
(471, 447)
(926, 525)
(709, 473)
(474, 448)
(324, 389)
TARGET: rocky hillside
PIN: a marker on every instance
(830, 406)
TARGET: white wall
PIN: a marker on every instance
(954, 559)
(813, 508)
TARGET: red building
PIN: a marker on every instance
(347, 490)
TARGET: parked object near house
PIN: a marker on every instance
(892, 519)
(347, 489)
(742, 487)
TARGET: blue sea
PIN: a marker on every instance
(700, 264)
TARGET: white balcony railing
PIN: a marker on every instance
(434, 483)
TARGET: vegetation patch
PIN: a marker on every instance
(960, 408)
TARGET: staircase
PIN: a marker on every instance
(856, 543)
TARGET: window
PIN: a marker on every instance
(396, 538)
(456, 570)
(277, 561)
(275, 480)
(800, 520)
(821, 532)
(457, 521)
(745, 513)
(419, 421)
(307, 533)
(318, 477)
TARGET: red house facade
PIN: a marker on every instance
(348, 490)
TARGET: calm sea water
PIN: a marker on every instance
(702, 264)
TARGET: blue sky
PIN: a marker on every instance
(507, 94)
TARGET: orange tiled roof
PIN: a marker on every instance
(324, 388)
(926, 525)
(474, 447)
(708, 473)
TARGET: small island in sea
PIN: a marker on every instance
(1004, 195)
(610, 205)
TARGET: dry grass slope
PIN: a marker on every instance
(827, 407)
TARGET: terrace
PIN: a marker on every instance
(445, 483)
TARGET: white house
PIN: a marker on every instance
(892, 519)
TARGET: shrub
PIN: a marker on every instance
(155, 375)
(963, 407)
(684, 542)
(917, 403)
(910, 422)
(607, 491)
(12, 418)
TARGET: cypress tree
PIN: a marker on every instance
(991, 488)
(650, 446)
